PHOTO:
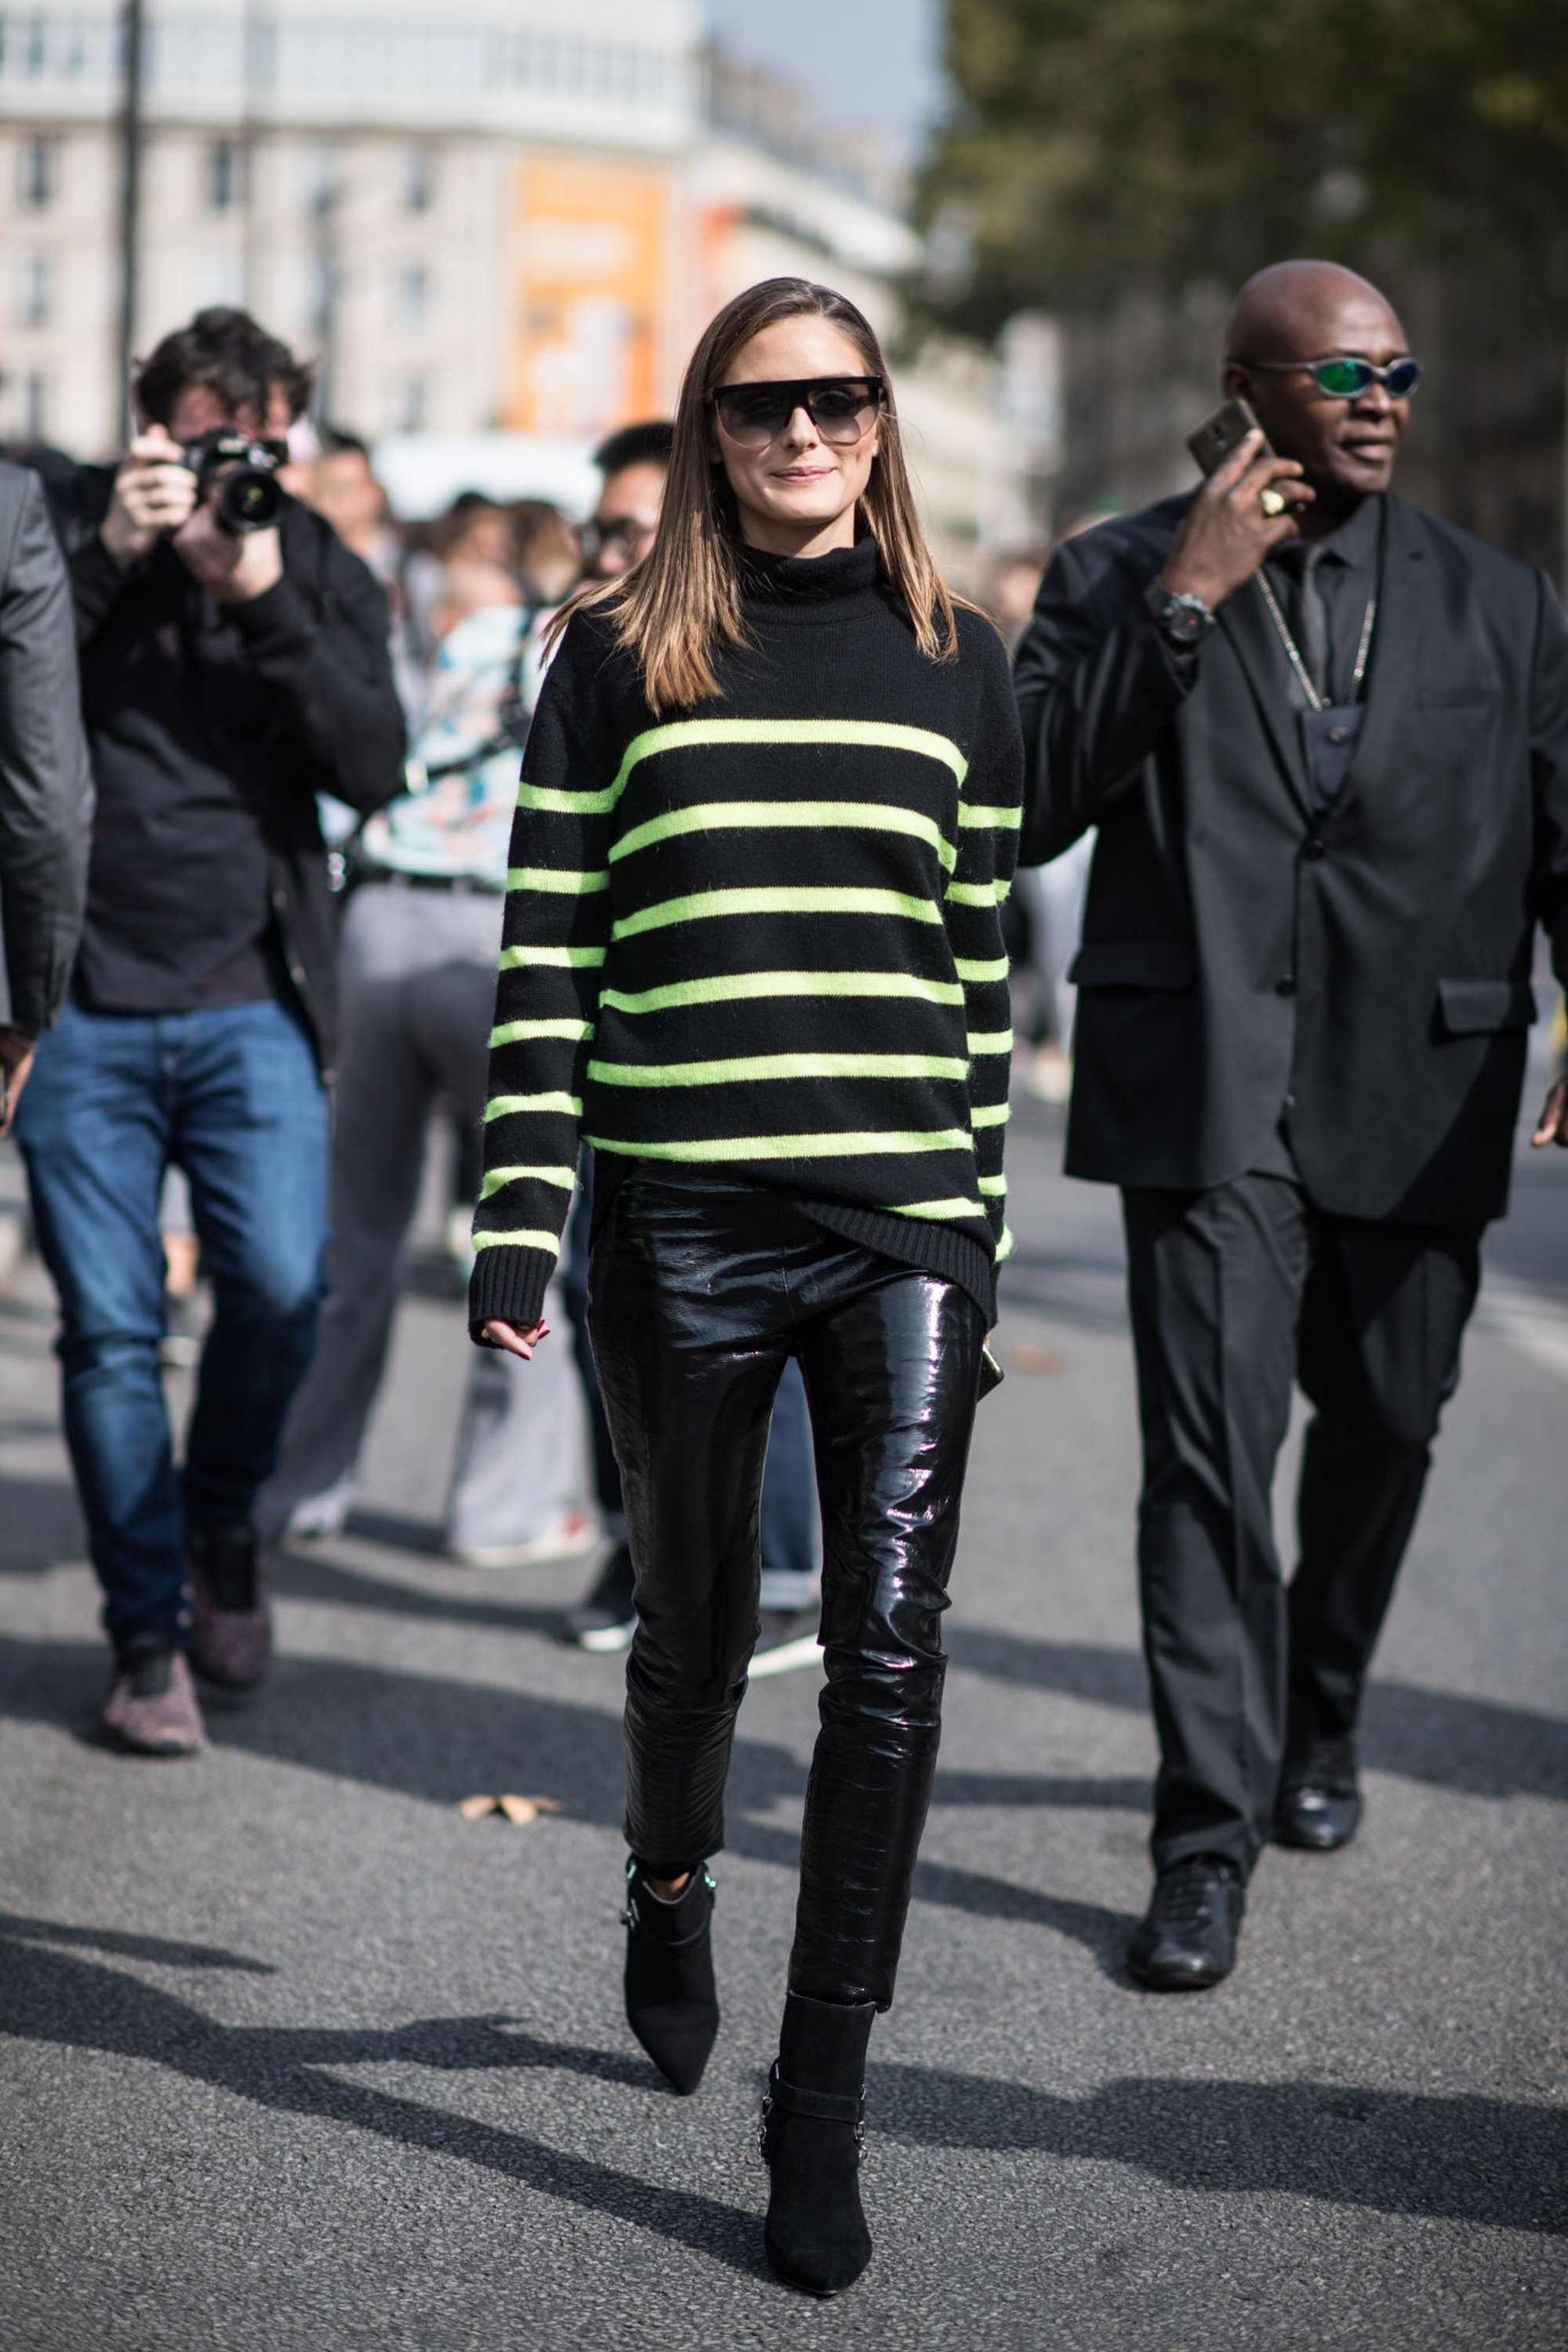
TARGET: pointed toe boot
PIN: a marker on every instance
(672, 2003)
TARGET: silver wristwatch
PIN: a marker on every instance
(1183, 621)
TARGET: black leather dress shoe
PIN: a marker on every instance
(1188, 1940)
(1319, 1816)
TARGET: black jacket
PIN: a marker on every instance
(1371, 964)
(288, 695)
(46, 785)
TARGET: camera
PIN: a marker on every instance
(238, 477)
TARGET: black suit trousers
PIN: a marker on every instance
(1235, 1292)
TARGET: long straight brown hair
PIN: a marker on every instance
(681, 604)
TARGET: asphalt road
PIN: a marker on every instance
(295, 2059)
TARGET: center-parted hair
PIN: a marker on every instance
(681, 605)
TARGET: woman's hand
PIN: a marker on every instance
(15, 1061)
(516, 1339)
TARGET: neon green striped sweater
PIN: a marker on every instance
(763, 938)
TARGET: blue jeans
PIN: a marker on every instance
(234, 1099)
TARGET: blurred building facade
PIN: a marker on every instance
(499, 216)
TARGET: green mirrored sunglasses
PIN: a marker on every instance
(1346, 379)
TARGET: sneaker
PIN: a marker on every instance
(315, 1516)
(179, 1350)
(608, 1618)
(568, 1536)
(791, 1612)
(231, 1616)
(152, 1704)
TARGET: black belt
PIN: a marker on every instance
(397, 879)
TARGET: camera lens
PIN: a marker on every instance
(249, 500)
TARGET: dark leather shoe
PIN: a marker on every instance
(1319, 1816)
(1188, 1940)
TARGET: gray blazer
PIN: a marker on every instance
(46, 783)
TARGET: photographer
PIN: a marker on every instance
(234, 665)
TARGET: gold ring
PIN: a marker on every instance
(1271, 502)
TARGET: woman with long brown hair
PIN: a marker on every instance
(753, 957)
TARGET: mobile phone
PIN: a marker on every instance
(1218, 434)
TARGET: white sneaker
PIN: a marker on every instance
(322, 1514)
(568, 1536)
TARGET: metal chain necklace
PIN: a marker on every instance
(1317, 702)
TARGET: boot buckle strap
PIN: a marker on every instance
(769, 2102)
(824, 2107)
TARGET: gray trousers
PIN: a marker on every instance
(1236, 1293)
(418, 986)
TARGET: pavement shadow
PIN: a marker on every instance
(1083, 1288)
(314, 1575)
(415, 1735)
(1091, 1670)
(439, 1741)
(1102, 1932)
(41, 1523)
(1476, 1746)
(53, 1997)
(130, 1948)
(1468, 2158)
(1052, 1791)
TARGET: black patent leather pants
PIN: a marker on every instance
(697, 1297)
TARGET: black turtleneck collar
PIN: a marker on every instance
(808, 580)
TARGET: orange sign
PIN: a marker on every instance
(590, 297)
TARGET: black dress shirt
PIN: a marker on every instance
(1323, 590)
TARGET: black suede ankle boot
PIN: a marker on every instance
(672, 2003)
(811, 2140)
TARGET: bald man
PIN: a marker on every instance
(1324, 740)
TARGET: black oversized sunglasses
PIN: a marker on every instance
(841, 408)
(1347, 379)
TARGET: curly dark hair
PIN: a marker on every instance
(226, 350)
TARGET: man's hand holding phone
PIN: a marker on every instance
(1227, 531)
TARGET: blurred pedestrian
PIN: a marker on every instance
(421, 935)
(1012, 579)
(635, 463)
(1324, 738)
(796, 1091)
(46, 784)
(632, 463)
(234, 665)
(546, 553)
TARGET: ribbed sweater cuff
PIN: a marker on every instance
(937, 1249)
(509, 1283)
